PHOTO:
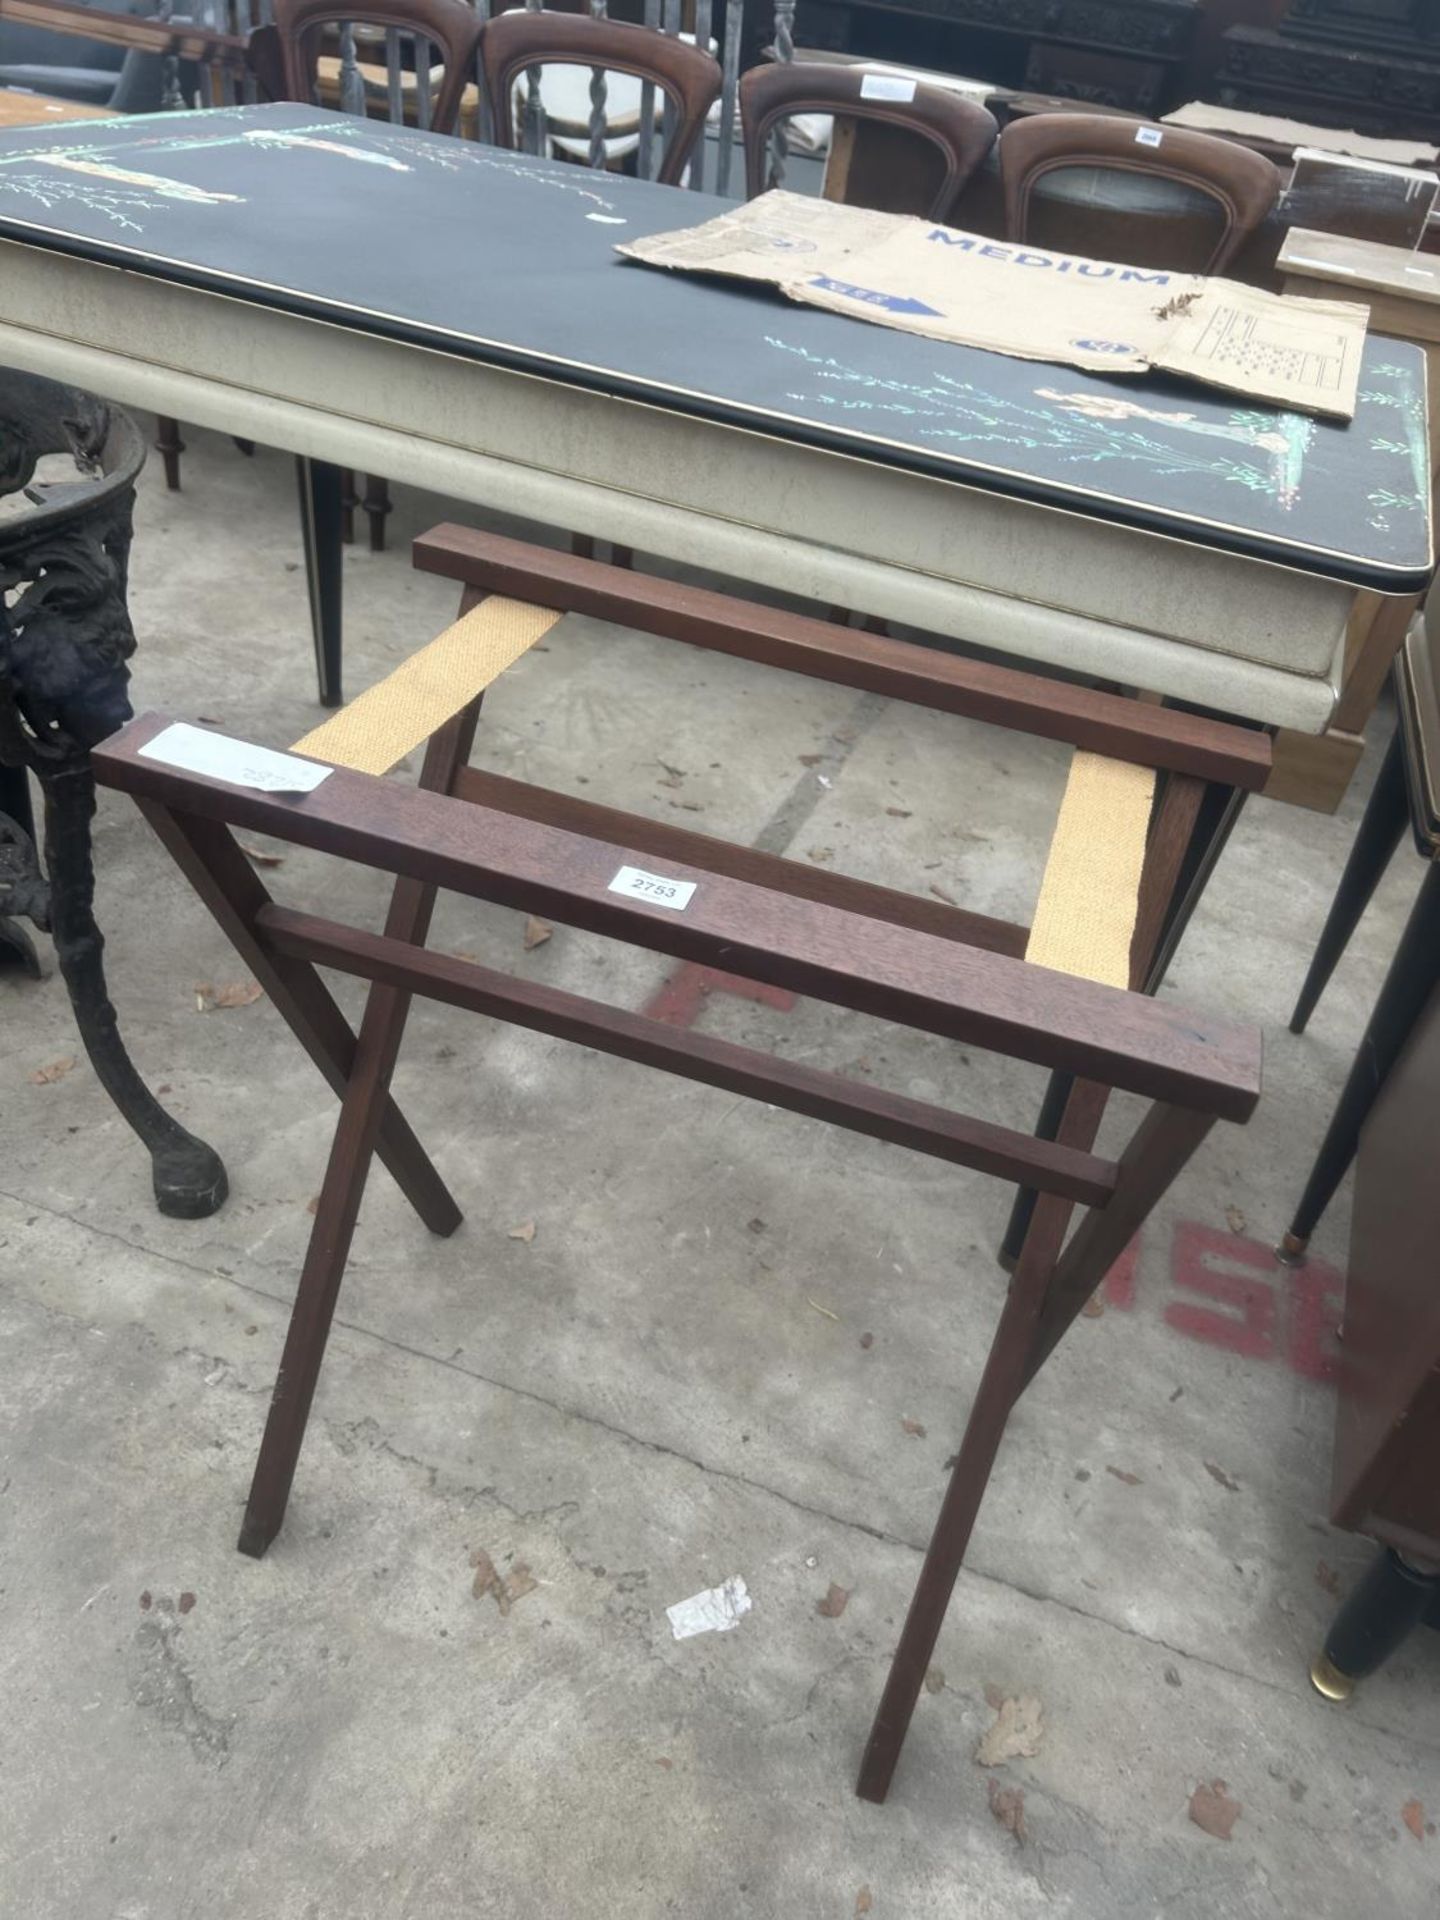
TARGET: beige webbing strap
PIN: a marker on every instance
(401, 711)
(1085, 916)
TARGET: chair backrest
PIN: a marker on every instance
(961, 129)
(688, 77)
(1242, 185)
(451, 26)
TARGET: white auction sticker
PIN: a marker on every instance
(886, 86)
(197, 750)
(1148, 136)
(658, 888)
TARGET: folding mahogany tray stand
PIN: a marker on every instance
(1129, 842)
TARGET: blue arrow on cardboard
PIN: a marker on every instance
(891, 302)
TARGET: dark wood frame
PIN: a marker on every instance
(1244, 185)
(960, 129)
(689, 77)
(921, 963)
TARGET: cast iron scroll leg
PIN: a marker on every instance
(1392, 1597)
(1408, 985)
(1380, 832)
(189, 1177)
(18, 872)
(382, 1027)
(321, 496)
(23, 892)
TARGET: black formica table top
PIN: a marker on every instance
(510, 260)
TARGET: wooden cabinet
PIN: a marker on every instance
(1116, 53)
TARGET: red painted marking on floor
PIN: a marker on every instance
(1259, 1308)
(1120, 1281)
(680, 997)
(1204, 1260)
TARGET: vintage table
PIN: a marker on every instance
(274, 272)
(263, 271)
(1402, 291)
(21, 108)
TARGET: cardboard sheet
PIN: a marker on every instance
(1300, 133)
(1030, 302)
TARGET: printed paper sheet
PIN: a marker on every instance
(1030, 302)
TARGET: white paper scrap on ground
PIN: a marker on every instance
(1029, 302)
(197, 750)
(716, 1610)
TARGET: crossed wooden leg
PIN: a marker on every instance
(382, 1027)
(1088, 866)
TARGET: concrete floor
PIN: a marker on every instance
(666, 1386)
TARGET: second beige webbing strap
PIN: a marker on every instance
(401, 711)
(1085, 915)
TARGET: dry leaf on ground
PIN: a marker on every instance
(486, 1580)
(1093, 1307)
(994, 1696)
(867, 1340)
(864, 1900)
(935, 1679)
(1008, 1806)
(56, 1070)
(834, 1603)
(1016, 1733)
(537, 932)
(1220, 1477)
(1413, 1814)
(1212, 1809)
(518, 1582)
(1235, 1220)
(821, 854)
(914, 1428)
(508, 1588)
(525, 1231)
(234, 993)
(1130, 1479)
(898, 813)
(1326, 1577)
(260, 856)
(943, 893)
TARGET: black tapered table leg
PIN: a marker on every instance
(1379, 834)
(1408, 985)
(321, 514)
(1391, 1598)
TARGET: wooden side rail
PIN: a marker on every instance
(1103, 723)
(660, 840)
(916, 1124)
(827, 953)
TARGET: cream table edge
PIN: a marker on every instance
(1035, 631)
